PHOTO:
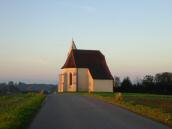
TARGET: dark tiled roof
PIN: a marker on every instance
(92, 59)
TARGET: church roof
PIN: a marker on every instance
(94, 60)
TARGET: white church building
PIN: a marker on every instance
(85, 70)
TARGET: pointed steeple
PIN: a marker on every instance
(73, 46)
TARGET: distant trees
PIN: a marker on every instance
(117, 81)
(164, 82)
(126, 83)
(8, 89)
(161, 83)
(127, 86)
(10, 83)
(12, 88)
(148, 80)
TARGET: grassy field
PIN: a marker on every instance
(16, 111)
(157, 107)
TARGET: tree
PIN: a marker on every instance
(117, 81)
(165, 77)
(11, 83)
(21, 83)
(164, 82)
(126, 84)
(148, 80)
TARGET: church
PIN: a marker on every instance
(85, 71)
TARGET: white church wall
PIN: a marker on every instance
(65, 84)
(90, 82)
(103, 85)
(82, 79)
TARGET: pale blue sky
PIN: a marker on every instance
(135, 36)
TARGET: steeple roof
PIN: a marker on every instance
(73, 47)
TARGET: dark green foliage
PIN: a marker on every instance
(160, 84)
(117, 81)
(126, 83)
(148, 80)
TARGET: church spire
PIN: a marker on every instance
(73, 46)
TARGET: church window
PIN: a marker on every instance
(70, 78)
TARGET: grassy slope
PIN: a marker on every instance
(157, 107)
(16, 111)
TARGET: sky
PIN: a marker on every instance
(35, 36)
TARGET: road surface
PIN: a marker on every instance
(71, 111)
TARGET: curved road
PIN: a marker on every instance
(70, 111)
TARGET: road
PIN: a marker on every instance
(71, 111)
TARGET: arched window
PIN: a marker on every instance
(70, 78)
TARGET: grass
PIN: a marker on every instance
(16, 111)
(157, 107)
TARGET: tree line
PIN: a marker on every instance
(161, 83)
(13, 88)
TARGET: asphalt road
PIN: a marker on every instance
(70, 111)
